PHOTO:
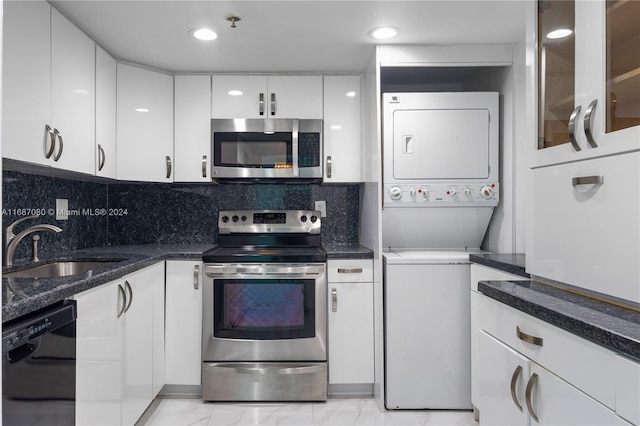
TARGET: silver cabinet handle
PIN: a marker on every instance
(514, 381)
(329, 164)
(101, 157)
(334, 300)
(528, 338)
(124, 300)
(52, 141)
(196, 277)
(349, 270)
(273, 104)
(533, 380)
(295, 169)
(587, 123)
(56, 157)
(168, 159)
(128, 286)
(261, 104)
(572, 128)
(204, 166)
(587, 180)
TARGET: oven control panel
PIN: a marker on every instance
(433, 195)
(269, 221)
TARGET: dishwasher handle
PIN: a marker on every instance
(23, 351)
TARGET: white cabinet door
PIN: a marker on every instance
(72, 95)
(295, 96)
(184, 322)
(99, 349)
(588, 235)
(26, 78)
(350, 333)
(192, 145)
(501, 383)
(264, 96)
(144, 125)
(105, 114)
(343, 144)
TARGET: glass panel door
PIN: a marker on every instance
(556, 71)
(623, 64)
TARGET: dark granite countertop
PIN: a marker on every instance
(21, 296)
(605, 324)
(336, 251)
(513, 263)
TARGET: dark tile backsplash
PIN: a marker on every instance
(117, 213)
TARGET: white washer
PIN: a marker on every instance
(427, 329)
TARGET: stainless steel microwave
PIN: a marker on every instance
(266, 149)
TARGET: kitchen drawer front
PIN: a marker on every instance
(485, 273)
(628, 389)
(585, 365)
(350, 270)
(588, 235)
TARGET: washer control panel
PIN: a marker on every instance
(408, 195)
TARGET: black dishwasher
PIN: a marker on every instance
(39, 367)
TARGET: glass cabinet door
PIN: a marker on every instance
(622, 64)
(556, 71)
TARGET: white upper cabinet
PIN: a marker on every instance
(192, 143)
(49, 88)
(105, 159)
(261, 96)
(588, 82)
(343, 145)
(145, 125)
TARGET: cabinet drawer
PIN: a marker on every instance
(349, 270)
(588, 235)
(484, 273)
(583, 364)
(628, 389)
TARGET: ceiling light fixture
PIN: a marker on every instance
(351, 94)
(559, 33)
(234, 92)
(204, 34)
(383, 33)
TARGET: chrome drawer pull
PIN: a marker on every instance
(572, 128)
(273, 104)
(261, 104)
(128, 286)
(168, 160)
(124, 300)
(56, 157)
(528, 338)
(349, 270)
(329, 166)
(334, 300)
(532, 382)
(514, 380)
(204, 166)
(587, 124)
(52, 139)
(587, 180)
(101, 157)
(196, 274)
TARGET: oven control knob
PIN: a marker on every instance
(243, 218)
(314, 219)
(486, 192)
(395, 193)
(225, 219)
(303, 218)
(235, 218)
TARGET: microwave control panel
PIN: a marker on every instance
(308, 149)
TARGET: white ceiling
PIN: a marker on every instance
(284, 36)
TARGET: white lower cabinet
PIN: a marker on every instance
(531, 372)
(115, 349)
(184, 322)
(350, 321)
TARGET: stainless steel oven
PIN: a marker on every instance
(264, 316)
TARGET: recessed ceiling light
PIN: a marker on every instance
(351, 94)
(203, 34)
(234, 92)
(142, 110)
(382, 33)
(559, 33)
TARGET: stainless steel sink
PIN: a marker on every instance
(60, 269)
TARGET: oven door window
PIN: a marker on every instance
(253, 150)
(264, 309)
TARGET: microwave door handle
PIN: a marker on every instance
(294, 148)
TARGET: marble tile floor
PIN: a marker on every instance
(180, 411)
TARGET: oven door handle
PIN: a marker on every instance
(218, 270)
(277, 369)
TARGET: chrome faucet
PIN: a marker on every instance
(12, 240)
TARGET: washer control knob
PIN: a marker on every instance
(303, 218)
(314, 219)
(467, 191)
(451, 191)
(412, 192)
(486, 192)
(225, 219)
(234, 218)
(395, 193)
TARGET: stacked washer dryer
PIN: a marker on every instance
(440, 176)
